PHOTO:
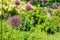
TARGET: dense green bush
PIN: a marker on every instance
(35, 24)
(31, 25)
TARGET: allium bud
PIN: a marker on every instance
(14, 21)
(49, 10)
(55, 6)
(28, 7)
(5, 15)
(17, 2)
(31, 1)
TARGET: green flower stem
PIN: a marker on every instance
(1, 20)
(43, 4)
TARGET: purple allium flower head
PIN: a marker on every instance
(31, 1)
(44, 0)
(28, 7)
(55, 6)
(14, 21)
(17, 2)
(5, 15)
(49, 10)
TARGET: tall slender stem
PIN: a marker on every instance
(1, 20)
(55, 1)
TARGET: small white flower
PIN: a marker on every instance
(9, 9)
(8, 2)
(0, 0)
(12, 5)
(45, 7)
(38, 5)
(48, 15)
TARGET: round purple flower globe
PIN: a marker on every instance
(17, 2)
(49, 10)
(44, 0)
(55, 6)
(5, 15)
(28, 7)
(14, 21)
(31, 1)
